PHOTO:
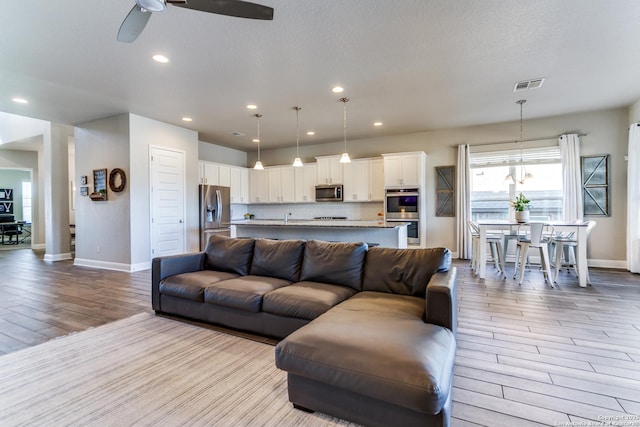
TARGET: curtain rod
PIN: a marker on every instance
(524, 140)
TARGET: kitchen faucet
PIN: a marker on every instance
(286, 216)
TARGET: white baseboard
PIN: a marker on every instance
(104, 265)
(608, 263)
(57, 257)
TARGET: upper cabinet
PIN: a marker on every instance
(305, 183)
(376, 180)
(281, 184)
(258, 186)
(239, 183)
(224, 175)
(209, 173)
(404, 169)
(329, 170)
(363, 180)
(356, 181)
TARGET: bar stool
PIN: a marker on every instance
(538, 237)
(495, 247)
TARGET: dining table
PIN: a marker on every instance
(579, 228)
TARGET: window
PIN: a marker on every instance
(490, 193)
(26, 201)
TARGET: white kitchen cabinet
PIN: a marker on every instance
(376, 180)
(404, 169)
(224, 175)
(356, 181)
(329, 170)
(239, 183)
(305, 183)
(258, 186)
(281, 184)
(209, 173)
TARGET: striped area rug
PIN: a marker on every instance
(148, 370)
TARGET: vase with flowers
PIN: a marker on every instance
(521, 206)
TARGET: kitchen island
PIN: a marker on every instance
(382, 233)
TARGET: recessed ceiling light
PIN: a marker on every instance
(255, 140)
(337, 89)
(20, 100)
(311, 133)
(160, 58)
(187, 119)
(252, 106)
(377, 123)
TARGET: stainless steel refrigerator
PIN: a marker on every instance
(215, 212)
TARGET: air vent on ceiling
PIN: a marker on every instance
(236, 133)
(528, 84)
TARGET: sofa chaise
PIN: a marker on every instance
(367, 334)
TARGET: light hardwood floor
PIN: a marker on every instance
(527, 355)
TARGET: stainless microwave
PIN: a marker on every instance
(328, 193)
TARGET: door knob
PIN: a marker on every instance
(181, 221)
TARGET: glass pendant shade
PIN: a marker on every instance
(509, 179)
(297, 163)
(258, 166)
(345, 158)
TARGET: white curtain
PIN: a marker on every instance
(463, 202)
(633, 200)
(571, 180)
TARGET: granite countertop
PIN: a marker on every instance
(318, 223)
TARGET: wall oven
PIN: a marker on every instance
(403, 205)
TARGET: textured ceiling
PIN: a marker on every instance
(415, 65)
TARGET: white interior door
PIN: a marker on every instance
(168, 230)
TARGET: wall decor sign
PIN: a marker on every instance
(99, 185)
(6, 194)
(445, 191)
(595, 185)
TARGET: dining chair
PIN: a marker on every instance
(538, 237)
(564, 249)
(495, 247)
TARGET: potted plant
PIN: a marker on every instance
(521, 206)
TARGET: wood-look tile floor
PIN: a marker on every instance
(527, 355)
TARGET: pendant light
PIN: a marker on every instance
(345, 156)
(297, 163)
(524, 175)
(258, 165)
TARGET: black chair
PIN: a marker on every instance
(10, 228)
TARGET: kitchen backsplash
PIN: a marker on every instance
(353, 211)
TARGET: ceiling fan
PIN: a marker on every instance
(139, 15)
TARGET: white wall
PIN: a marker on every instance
(607, 134)
(145, 133)
(217, 153)
(103, 233)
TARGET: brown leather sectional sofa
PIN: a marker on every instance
(368, 333)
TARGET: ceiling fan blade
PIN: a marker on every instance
(237, 8)
(133, 24)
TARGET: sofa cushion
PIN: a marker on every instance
(227, 254)
(191, 285)
(403, 271)
(277, 258)
(244, 293)
(336, 263)
(305, 300)
(376, 345)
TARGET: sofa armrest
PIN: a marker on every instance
(163, 267)
(441, 301)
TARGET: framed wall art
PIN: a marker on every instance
(445, 191)
(595, 185)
